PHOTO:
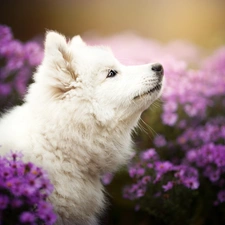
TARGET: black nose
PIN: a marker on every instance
(157, 68)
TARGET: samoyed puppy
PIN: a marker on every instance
(77, 119)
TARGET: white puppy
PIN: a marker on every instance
(77, 119)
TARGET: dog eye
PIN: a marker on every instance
(112, 73)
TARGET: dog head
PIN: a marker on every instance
(91, 77)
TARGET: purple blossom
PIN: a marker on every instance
(107, 178)
(16, 203)
(214, 175)
(44, 211)
(145, 180)
(24, 186)
(170, 107)
(149, 154)
(140, 193)
(192, 156)
(160, 141)
(191, 110)
(169, 118)
(221, 196)
(5, 89)
(136, 171)
(21, 80)
(168, 186)
(182, 124)
(5, 34)
(191, 183)
(135, 191)
(4, 201)
(163, 167)
(14, 54)
(27, 217)
(33, 53)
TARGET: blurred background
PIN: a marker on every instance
(201, 21)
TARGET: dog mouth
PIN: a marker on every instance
(156, 88)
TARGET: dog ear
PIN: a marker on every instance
(54, 44)
(77, 41)
(58, 54)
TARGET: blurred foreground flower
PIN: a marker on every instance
(24, 189)
(17, 62)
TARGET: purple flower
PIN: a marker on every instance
(214, 175)
(221, 196)
(22, 80)
(170, 106)
(16, 203)
(191, 183)
(169, 118)
(137, 190)
(16, 185)
(5, 35)
(140, 193)
(168, 186)
(6, 172)
(27, 217)
(33, 53)
(45, 212)
(191, 156)
(163, 167)
(14, 63)
(15, 155)
(107, 178)
(149, 154)
(145, 180)
(4, 201)
(160, 141)
(158, 178)
(191, 110)
(136, 171)
(5, 89)
(182, 124)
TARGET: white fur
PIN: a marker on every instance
(76, 123)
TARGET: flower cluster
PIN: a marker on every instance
(212, 131)
(24, 189)
(149, 169)
(17, 62)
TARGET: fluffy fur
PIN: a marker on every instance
(76, 122)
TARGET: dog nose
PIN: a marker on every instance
(157, 68)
